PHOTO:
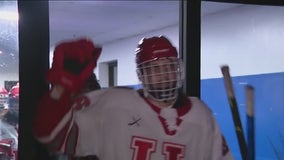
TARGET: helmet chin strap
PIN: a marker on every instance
(163, 95)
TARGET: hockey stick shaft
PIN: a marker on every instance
(235, 111)
(250, 121)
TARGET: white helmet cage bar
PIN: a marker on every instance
(161, 78)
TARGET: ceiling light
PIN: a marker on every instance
(12, 16)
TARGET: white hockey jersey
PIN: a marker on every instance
(119, 124)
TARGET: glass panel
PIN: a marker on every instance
(9, 86)
(249, 39)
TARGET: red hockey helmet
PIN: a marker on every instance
(153, 48)
(158, 68)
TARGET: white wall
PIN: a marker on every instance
(250, 39)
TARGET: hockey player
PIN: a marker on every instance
(156, 123)
(76, 73)
(8, 141)
(9, 126)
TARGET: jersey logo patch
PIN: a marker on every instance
(135, 121)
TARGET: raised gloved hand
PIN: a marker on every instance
(73, 63)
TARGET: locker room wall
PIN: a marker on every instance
(269, 111)
(250, 41)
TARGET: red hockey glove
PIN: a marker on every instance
(73, 63)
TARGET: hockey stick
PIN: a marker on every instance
(234, 110)
(250, 121)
